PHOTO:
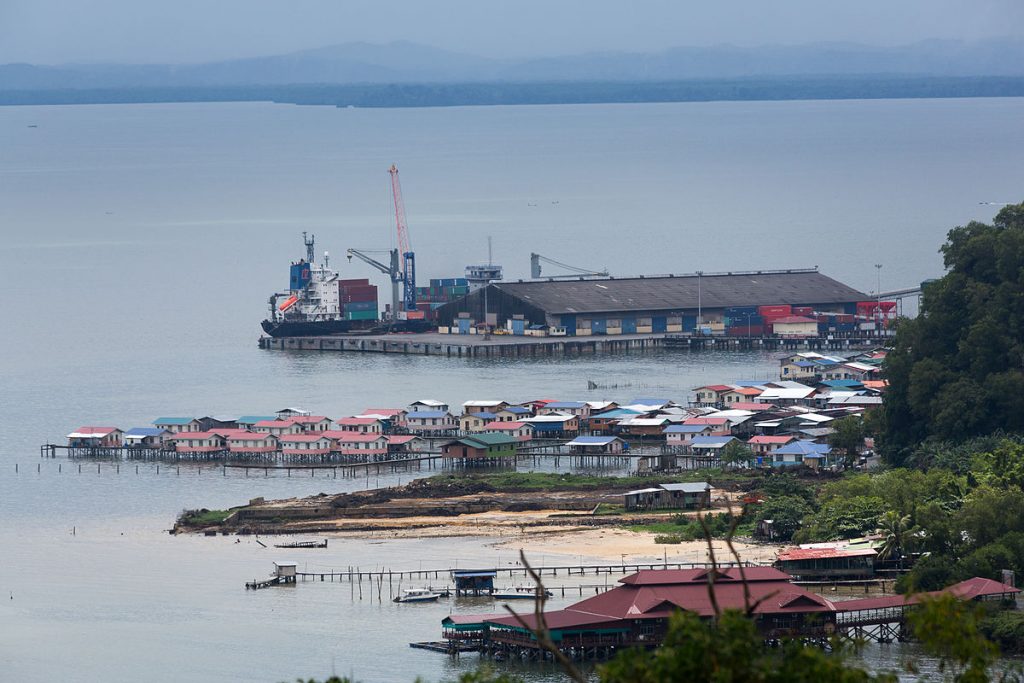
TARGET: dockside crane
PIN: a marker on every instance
(392, 271)
(404, 248)
(535, 269)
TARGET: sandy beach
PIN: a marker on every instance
(539, 534)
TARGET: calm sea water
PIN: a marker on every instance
(140, 244)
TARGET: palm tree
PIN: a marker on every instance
(899, 535)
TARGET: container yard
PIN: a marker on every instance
(764, 307)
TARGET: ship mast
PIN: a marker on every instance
(310, 249)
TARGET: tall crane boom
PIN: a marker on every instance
(535, 269)
(404, 247)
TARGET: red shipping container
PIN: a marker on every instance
(356, 289)
(776, 311)
(353, 283)
(803, 310)
(744, 331)
(415, 315)
(357, 299)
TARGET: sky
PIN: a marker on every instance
(183, 31)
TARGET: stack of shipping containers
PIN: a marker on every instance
(358, 299)
(440, 292)
(744, 321)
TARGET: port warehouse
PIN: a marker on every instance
(738, 303)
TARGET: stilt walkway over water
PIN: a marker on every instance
(355, 574)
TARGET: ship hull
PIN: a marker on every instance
(314, 329)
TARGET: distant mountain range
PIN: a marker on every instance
(409, 63)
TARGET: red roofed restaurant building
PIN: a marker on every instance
(636, 613)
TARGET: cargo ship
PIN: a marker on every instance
(319, 302)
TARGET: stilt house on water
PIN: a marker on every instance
(636, 613)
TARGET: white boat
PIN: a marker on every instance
(419, 595)
(518, 593)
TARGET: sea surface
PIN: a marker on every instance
(140, 243)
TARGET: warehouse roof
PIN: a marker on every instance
(800, 286)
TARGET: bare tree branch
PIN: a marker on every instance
(540, 629)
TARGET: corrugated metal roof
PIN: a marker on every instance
(796, 554)
(803, 448)
(144, 431)
(427, 414)
(592, 440)
(680, 292)
(689, 487)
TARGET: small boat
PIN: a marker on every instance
(518, 593)
(419, 595)
(303, 544)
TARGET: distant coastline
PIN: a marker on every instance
(399, 95)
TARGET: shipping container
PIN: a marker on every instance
(360, 315)
(745, 331)
(415, 315)
(741, 311)
(357, 299)
(360, 306)
(777, 310)
(734, 320)
(803, 310)
(353, 283)
(357, 288)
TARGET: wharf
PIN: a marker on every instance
(505, 346)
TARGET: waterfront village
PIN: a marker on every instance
(783, 424)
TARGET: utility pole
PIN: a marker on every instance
(700, 313)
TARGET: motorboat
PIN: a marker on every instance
(420, 595)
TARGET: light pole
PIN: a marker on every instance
(700, 273)
(878, 298)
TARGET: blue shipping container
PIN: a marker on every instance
(740, 311)
(361, 306)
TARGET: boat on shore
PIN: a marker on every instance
(422, 595)
(303, 544)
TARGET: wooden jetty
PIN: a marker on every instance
(357, 575)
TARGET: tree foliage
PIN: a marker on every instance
(848, 437)
(729, 649)
(956, 371)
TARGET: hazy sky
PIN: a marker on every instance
(54, 31)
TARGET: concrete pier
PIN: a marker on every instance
(503, 346)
